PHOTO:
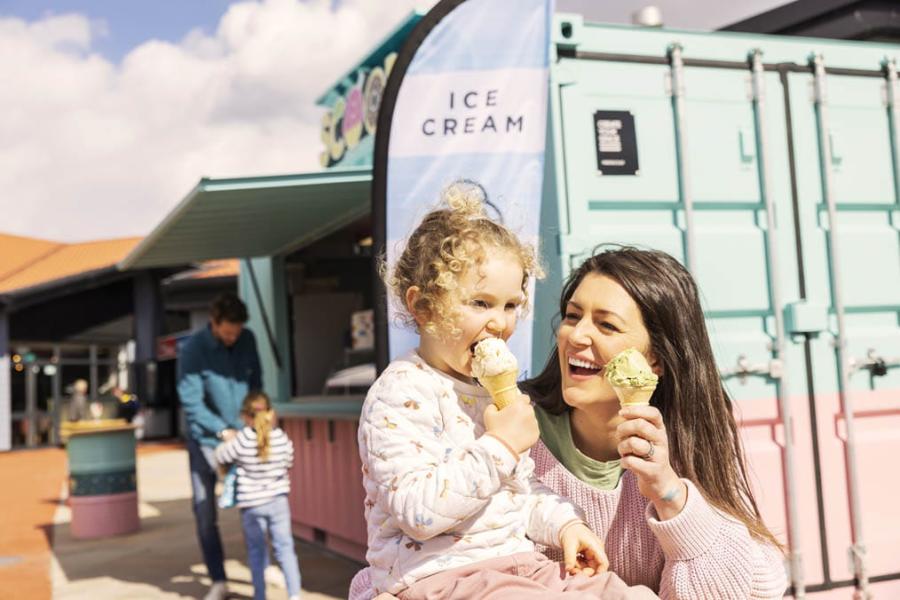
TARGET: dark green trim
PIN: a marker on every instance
(101, 484)
(326, 408)
(672, 205)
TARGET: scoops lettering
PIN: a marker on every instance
(355, 115)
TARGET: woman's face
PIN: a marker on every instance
(600, 321)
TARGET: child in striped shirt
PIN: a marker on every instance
(263, 455)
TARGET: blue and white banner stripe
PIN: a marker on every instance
(467, 98)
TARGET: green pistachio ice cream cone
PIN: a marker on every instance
(631, 377)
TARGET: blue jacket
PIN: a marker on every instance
(213, 381)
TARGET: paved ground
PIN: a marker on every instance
(29, 487)
(40, 559)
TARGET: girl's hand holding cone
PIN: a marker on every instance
(516, 426)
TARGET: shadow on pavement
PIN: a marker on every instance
(162, 560)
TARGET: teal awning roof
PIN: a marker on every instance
(254, 216)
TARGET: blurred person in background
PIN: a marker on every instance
(217, 367)
(78, 402)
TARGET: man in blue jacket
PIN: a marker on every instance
(217, 366)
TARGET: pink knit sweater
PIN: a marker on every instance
(701, 554)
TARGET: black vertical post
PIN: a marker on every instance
(148, 326)
(5, 384)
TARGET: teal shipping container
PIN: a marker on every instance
(771, 167)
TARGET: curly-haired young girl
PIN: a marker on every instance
(452, 505)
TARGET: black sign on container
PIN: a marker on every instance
(616, 142)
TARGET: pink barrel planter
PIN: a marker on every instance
(102, 479)
(103, 516)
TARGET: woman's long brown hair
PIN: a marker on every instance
(262, 423)
(704, 443)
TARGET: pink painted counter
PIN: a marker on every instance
(326, 481)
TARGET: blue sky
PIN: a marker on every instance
(112, 110)
(128, 22)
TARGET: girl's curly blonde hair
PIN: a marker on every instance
(446, 243)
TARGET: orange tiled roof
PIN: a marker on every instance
(27, 262)
(18, 252)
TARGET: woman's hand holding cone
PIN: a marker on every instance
(644, 447)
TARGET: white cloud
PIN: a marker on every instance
(92, 149)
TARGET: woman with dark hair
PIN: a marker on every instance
(665, 485)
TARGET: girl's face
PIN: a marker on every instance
(600, 321)
(489, 296)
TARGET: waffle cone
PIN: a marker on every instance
(502, 388)
(634, 396)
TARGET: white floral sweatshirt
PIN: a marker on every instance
(439, 493)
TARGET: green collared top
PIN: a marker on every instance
(556, 433)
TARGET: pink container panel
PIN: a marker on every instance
(346, 514)
(103, 516)
(765, 461)
(877, 419)
(309, 488)
(882, 590)
(326, 484)
(294, 428)
(762, 433)
(302, 531)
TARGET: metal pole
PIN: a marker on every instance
(56, 395)
(95, 377)
(5, 384)
(858, 549)
(893, 106)
(684, 189)
(31, 405)
(263, 312)
(778, 350)
(122, 368)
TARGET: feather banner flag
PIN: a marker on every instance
(466, 99)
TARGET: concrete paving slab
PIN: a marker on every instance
(162, 560)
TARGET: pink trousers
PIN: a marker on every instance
(524, 576)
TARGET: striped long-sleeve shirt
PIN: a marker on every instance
(258, 481)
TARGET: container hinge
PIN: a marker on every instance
(877, 365)
(772, 369)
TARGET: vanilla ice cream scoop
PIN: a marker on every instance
(493, 357)
(496, 369)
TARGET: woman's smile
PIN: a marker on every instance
(583, 369)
